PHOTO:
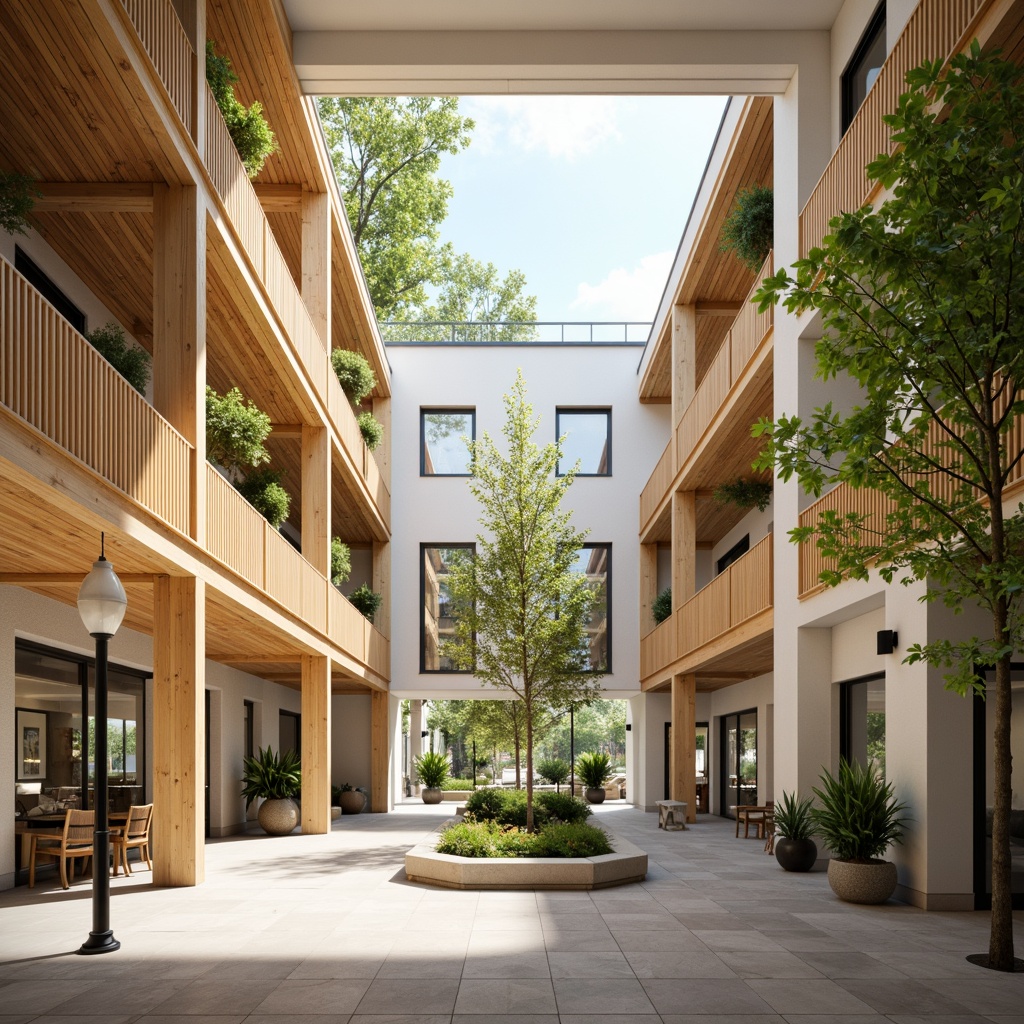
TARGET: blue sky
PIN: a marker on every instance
(587, 195)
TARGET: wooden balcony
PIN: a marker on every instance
(723, 633)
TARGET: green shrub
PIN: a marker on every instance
(485, 804)
(469, 839)
(749, 229)
(508, 807)
(354, 373)
(235, 431)
(661, 609)
(262, 489)
(247, 127)
(517, 842)
(432, 769)
(365, 600)
(793, 819)
(131, 362)
(491, 839)
(371, 428)
(572, 840)
(593, 769)
(452, 785)
(18, 194)
(563, 806)
(341, 561)
(554, 769)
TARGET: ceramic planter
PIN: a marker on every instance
(278, 817)
(796, 854)
(432, 796)
(352, 801)
(594, 796)
(335, 812)
(870, 882)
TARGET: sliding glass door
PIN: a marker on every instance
(739, 761)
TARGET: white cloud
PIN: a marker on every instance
(563, 127)
(626, 294)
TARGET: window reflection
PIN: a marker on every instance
(587, 437)
(443, 449)
(594, 560)
(439, 612)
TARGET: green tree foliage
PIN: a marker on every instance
(661, 608)
(522, 616)
(554, 770)
(132, 362)
(749, 229)
(365, 601)
(235, 430)
(354, 373)
(922, 303)
(262, 489)
(18, 194)
(341, 561)
(371, 429)
(600, 727)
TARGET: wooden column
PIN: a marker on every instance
(316, 744)
(683, 756)
(684, 360)
(648, 585)
(379, 759)
(316, 498)
(179, 330)
(684, 547)
(382, 584)
(179, 741)
(316, 261)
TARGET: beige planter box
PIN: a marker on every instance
(627, 864)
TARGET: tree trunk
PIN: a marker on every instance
(1000, 948)
(519, 779)
(529, 768)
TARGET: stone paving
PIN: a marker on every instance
(326, 930)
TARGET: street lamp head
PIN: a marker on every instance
(102, 600)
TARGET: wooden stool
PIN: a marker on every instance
(672, 815)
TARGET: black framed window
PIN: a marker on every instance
(249, 719)
(734, 554)
(739, 761)
(43, 283)
(862, 721)
(595, 561)
(290, 732)
(588, 441)
(866, 62)
(443, 450)
(438, 615)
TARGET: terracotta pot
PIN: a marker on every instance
(871, 882)
(278, 817)
(432, 796)
(594, 796)
(335, 813)
(796, 854)
(352, 801)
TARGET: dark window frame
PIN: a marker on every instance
(572, 410)
(49, 289)
(734, 554)
(426, 411)
(249, 734)
(723, 768)
(469, 546)
(297, 715)
(869, 38)
(845, 698)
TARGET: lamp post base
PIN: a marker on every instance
(99, 942)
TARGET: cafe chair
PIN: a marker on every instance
(134, 834)
(74, 843)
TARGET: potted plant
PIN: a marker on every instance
(275, 779)
(262, 489)
(749, 229)
(354, 373)
(661, 609)
(432, 769)
(132, 362)
(594, 771)
(341, 561)
(351, 799)
(858, 818)
(795, 850)
(371, 428)
(365, 600)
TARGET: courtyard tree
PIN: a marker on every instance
(521, 625)
(922, 305)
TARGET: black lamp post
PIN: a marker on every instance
(101, 604)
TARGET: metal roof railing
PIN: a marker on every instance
(550, 332)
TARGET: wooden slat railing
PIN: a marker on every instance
(234, 529)
(730, 599)
(52, 378)
(934, 30)
(169, 49)
(658, 484)
(351, 630)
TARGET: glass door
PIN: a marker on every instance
(739, 761)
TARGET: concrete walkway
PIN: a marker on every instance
(325, 929)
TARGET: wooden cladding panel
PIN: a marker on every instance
(657, 486)
(55, 380)
(234, 529)
(751, 590)
(934, 29)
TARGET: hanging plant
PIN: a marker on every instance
(365, 600)
(354, 373)
(749, 230)
(262, 489)
(131, 362)
(745, 494)
(18, 194)
(235, 430)
(341, 561)
(371, 428)
(661, 609)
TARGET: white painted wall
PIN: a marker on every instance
(350, 740)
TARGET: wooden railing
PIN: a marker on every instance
(57, 382)
(658, 484)
(739, 593)
(169, 49)
(934, 29)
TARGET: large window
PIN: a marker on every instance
(739, 761)
(588, 440)
(595, 560)
(866, 62)
(862, 722)
(438, 615)
(443, 434)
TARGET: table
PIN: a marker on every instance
(672, 815)
(749, 814)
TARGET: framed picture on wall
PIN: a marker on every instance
(30, 745)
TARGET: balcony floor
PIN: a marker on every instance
(323, 927)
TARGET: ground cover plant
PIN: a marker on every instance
(492, 839)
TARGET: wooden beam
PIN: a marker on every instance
(49, 578)
(179, 770)
(380, 749)
(684, 539)
(684, 359)
(276, 198)
(280, 431)
(95, 197)
(266, 659)
(717, 308)
(316, 744)
(683, 757)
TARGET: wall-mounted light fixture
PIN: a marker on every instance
(629, 727)
(887, 640)
(424, 734)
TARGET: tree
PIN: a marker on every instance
(386, 153)
(522, 608)
(923, 306)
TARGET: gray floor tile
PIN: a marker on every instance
(523, 965)
(504, 1018)
(850, 964)
(749, 941)
(310, 996)
(596, 996)
(399, 995)
(758, 964)
(711, 996)
(906, 996)
(217, 995)
(679, 965)
(660, 942)
(808, 995)
(722, 1018)
(505, 995)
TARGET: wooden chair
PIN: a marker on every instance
(75, 843)
(133, 835)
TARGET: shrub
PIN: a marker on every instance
(508, 807)
(432, 768)
(18, 194)
(793, 818)
(262, 489)
(248, 128)
(131, 362)
(469, 839)
(661, 609)
(451, 785)
(235, 431)
(371, 428)
(491, 839)
(354, 373)
(593, 769)
(563, 806)
(485, 804)
(365, 600)
(554, 769)
(270, 776)
(572, 840)
(749, 229)
(341, 561)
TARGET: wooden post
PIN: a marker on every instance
(684, 360)
(684, 547)
(648, 585)
(179, 330)
(316, 498)
(382, 584)
(316, 744)
(379, 750)
(179, 769)
(683, 756)
(316, 261)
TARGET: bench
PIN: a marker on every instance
(672, 815)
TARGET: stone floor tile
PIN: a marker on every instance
(138, 995)
(679, 965)
(505, 995)
(403, 966)
(912, 997)
(403, 995)
(100, 1018)
(711, 996)
(185, 1018)
(597, 996)
(850, 964)
(769, 964)
(703, 921)
(916, 964)
(938, 1018)
(659, 942)
(502, 1018)
(218, 994)
(325, 968)
(835, 1018)
(338, 996)
(606, 1018)
(808, 995)
(580, 942)
(395, 1018)
(722, 1018)
(590, 965)
(722, 940)
(523, 965)
(306, 1018)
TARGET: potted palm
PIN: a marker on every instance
(795, 850)
(594, 771)
(432, 769)
(275, 779)
(858, 819)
